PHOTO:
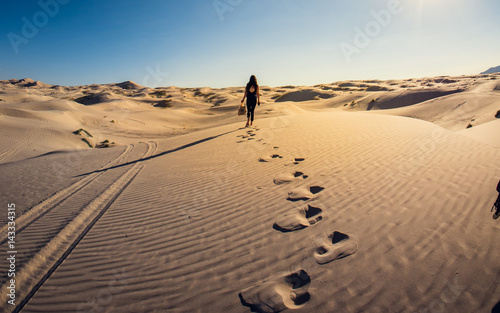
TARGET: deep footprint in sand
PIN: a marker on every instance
(303, 194)
(299, 219)
(295, 161)
(336, 246)
(269, 158)
(281, 292)
(289, 177)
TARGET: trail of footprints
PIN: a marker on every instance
(249, 136)
(290, 290)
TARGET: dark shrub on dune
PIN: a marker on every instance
(164, 104)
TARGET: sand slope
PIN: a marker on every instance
(487, 133)
(195, 226)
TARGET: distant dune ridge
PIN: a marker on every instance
(129, 85)
(351, 196)
(122, 111)
(492, 70)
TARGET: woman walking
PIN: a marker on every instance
(253, 98)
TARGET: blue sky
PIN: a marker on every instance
(221, 43)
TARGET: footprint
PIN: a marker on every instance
(288, 178)
(336, 246)
(300, 174)
(281, 292)
(299, 219)
(269, 158)
(295, 161)
(302, 194)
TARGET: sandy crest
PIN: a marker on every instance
(192, 226)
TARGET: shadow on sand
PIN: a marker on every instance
(162, 153)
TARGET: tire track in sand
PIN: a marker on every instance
(38, 211)
(42, 265)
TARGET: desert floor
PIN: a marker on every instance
(354, 196)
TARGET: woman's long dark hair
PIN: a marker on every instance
(252, 82)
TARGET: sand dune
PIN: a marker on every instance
(129, 85)
(304, 95)
(487, 133)
(409, 97)
(320, 207)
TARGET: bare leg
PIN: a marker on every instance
(248, 121)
